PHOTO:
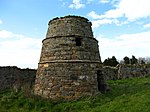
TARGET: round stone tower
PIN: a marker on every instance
(69, 60)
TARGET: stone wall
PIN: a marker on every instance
(13, 77)
(126, 71)
(129, 71)
(69, 80)
(69, 25)
(65, 48)
(111, 73)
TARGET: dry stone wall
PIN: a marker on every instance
(14, 77)
(111, 73)
(126, 71)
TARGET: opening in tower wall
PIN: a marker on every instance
(78, 41)
(101, 81)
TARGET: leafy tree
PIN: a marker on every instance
(133, 60)
(142, 62)
(126, 60)
(147, 60)
(110, 61)
(106, 62)
(114, 61)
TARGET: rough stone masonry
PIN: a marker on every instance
(69, 60)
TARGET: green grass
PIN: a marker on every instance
(128, 95)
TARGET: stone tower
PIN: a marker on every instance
(69, 60)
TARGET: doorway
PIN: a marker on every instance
(101, 81)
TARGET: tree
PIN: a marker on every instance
(106, 62)
(141, 60)
(147, 60)
(114, 61)
(133, 60)
(126, 60)
(110, 61)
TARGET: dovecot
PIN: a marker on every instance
(69, 60)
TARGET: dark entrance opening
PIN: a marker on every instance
(101, 81)
(78, 41)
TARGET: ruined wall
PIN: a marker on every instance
(11, 77)
(126, 71)
(111, 73)
(129, 71)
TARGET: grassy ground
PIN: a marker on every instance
(129, 95)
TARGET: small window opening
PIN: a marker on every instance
(78, 41)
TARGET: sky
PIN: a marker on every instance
(122, 27)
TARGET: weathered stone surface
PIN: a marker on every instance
(69, 25)
(69, 60)
(16, 78)
(12, 77)
(126, 71)
(111, 73)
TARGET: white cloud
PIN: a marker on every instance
(147, 25)
(99, 20)
(98, 23)
(94, 15)
(7, 34)
(108, 18)
(1, 22)
(130, 9)
(104, 1)
(22, 52)
(112, 14)
(64, 3)
(134, 9)
(125, 45)
(76, 4)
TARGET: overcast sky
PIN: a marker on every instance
(122, 27)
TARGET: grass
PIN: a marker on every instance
(128, 95)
